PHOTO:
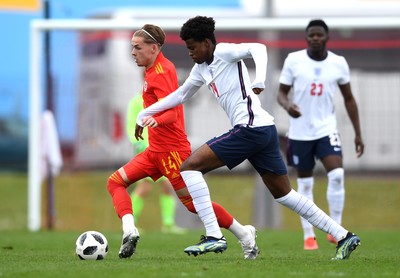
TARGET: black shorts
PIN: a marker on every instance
(303, 154)
(259, 145)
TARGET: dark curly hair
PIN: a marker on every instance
(319, 23)
(198, 28)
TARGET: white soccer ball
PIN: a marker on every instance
(91, 245)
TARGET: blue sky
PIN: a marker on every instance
(14, 49)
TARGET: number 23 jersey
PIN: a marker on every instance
(314, 84)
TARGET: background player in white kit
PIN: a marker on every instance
(314, 74)
(253, 137)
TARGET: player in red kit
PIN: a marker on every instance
(168, 148)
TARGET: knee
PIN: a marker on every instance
(185, 166)
(113, 184)
(305, 184)
(336, 181)
(278, 185)
(192, 163)
(110, 187)
(336, 175)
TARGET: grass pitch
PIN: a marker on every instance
(82, 203)
(52, 254)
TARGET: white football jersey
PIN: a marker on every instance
(227, 78)
(314, 84)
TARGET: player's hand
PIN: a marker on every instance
(149, 121)
(293, 110)
(257, 91)
(138, 132)
(359, 146)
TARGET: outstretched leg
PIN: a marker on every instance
(279, 186)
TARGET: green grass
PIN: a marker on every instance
(82, 203)
(51, 254)
(372, 202)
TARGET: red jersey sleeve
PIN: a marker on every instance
(167, 117)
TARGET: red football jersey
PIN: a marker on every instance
(159, 81)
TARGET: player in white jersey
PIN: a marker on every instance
(253, 136)
(314, 74)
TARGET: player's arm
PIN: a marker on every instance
(162, 88)
(168, 117)
(352, 111)
(260, 56)
(286, 81)
(258, 52)
(283, 99)
(181, 95)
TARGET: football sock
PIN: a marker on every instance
(305, 188)
(336, 194)
(120, 197)
(238, 230)
(137, 205)
(223, 217)
(200, 193)
(167, 205)
(309, 210)
(128, 224)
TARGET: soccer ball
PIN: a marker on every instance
(91, 245)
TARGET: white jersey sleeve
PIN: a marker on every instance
(236, 52)
(228, 80)
(181, 95)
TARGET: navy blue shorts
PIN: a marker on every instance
(259, 145)
(303, 154)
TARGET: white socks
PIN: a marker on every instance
(308, 210)
(305, 187)
(200, 193)
(239, 231)
(128, 224)
(335, 194)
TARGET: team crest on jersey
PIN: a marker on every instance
(145, 86)
(317, 71)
